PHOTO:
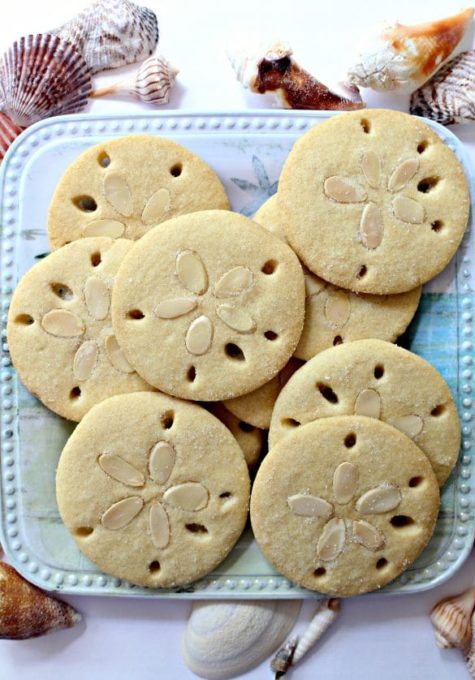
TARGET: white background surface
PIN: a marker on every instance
(376, 636)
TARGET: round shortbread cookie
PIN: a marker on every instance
(153, 489)
(344, 505)
(209, 306)
(377, 379)
(334, 315)
(60, 330)
(256, 407)
(374, 201)
(249, 437)
(124, 187)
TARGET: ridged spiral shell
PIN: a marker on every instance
(451, 619)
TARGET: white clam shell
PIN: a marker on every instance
(225, 639)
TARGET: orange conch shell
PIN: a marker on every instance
(404, 57)
(26, 611)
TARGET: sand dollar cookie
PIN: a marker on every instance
(249, 437)
(60, 330)
(153, 489)
(124, 187)
(209, 306)
(334, 315)
(376, 379)
(344, 505)
(374, 201)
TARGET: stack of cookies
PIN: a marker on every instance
(157, 296)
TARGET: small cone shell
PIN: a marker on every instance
(26, 611)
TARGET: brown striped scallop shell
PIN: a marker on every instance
(41, 76)
(8, 133)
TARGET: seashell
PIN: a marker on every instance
(325, 615)
(224, 639)
(449, 97)
(470, 649)
(451, 619)
(42, 76)
(403, 58)
(282, 661)
(112, 33)
(152, 84)
(26, 611)
(8, 133)
(273, 69)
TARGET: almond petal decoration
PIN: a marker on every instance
(162, 460)
(371, 226)
(157, 207)
(97, 297)
(408, 210)
(451, 620)
(236, 318)
(110, 228)
(366, 534)
(379, 500)
(345, 479)
(28, 612)
(199, 336)
(116, 355)
(159, 525)
(411, 425)
(403, 174)
(191, 272)
(117, 193)
(371, 166)
(122, 513)
(62, 323)
(368, 403)
(337, 308)
(172, 309)
(85, 360)
(187, 496)
(306, 505)
(234, 282)
(120, 470)
(332, 540)
(341, 191)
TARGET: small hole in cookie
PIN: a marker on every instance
(362, 271)
(75, 392)
(191, 374)
(167, 419)
(415, 481)
(82, 532)
(96, 259)
(320, 571)
(437, 410)
(62, 291)
(381, 563)
(401, 521)
(225, 494)
(85, 203)
(365, 124)
(154, 567)
(437, 225)
(327, 393)
(271, 335)
(24, 319)
(378, 371)
(135, 314)
(337, 340)
(269, 267)
(245, 427)
(350, 440)
(290, 422)
(422, 146)
(176, 170)
(234, 352)
(196, 528)
(104, 159)
(427, 184)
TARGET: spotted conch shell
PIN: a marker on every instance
(8, 133)
(403, 58)
(112, 33)
(451, 620)
(26, 611)
(152, 84)
(42, 76)
(449, 97)
(272, 69)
